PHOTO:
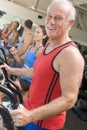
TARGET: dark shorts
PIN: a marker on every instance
(32, 126)
(24, 84)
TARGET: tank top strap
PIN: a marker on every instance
(38, 49)
(32, 45)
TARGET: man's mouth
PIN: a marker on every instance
(50, 28)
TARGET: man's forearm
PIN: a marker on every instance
(51, 109)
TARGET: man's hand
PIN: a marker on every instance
(21, 116)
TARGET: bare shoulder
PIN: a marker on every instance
(71, 53)
(70, 57)
(16, 33)
(28, 36)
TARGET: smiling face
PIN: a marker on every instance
(14, 25)
(56, 21)
(38, 34)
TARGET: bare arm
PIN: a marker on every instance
(19, 59)
(27, 41)
(71, 72)
(28, 72)
(15, 37)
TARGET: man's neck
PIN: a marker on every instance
(58, 42)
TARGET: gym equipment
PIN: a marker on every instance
(7, 119)
(14, 96)
(80, 108)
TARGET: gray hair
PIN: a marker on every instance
(72, 13)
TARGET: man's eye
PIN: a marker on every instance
(58, 18)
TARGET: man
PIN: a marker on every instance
(57, 74)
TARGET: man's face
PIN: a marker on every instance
(56, 21)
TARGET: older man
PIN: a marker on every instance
(57, 74)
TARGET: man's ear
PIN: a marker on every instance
(71, 23)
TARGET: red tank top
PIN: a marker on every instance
(45, 87)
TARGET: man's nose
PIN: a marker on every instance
(52, 20)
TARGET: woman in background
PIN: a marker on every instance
(40, 39)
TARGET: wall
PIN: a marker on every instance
(21, 12)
